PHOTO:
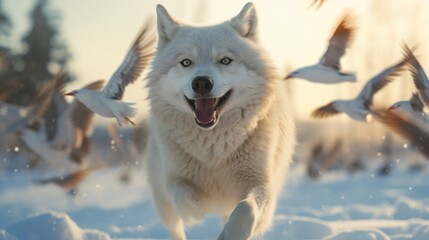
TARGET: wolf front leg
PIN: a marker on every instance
(251, 215)
(188, 200)
(168, 215)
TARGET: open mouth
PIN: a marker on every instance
(206, 110)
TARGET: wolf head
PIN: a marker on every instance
(206, 73)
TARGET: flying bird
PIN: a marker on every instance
(420, 78)
(328, 70)
(67, 127)
(15, 117)
(359, 107)
(414, 106)
(108, 102)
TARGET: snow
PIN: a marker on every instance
(421, 232)
(6, 236)
(408, 208)
(51, 225)
(368, 234)
(337, 206)
(298, 227)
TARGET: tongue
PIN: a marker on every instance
(204, 110)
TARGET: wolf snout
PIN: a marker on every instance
(202, 85)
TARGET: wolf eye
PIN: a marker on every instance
(186, 62)
(226, 61)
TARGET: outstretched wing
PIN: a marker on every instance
(326, 111)
(338, 43)
(137, 59)
(420, 78)
(56, 108)
(42, 99)
(416, 103)
(376, 83)
(67, 182)
(71, 180)
(38, 108)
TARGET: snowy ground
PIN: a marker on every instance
(339, 206)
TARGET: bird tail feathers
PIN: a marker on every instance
(124, 112)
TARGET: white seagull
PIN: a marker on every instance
(328, 70)
(413, 107)
(359, 107)
(108, 102)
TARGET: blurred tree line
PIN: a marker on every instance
(43, 54)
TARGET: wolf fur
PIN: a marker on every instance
(237, 167)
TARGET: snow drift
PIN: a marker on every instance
(49, 225)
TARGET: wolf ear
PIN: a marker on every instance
(246, 22)
(167, 26)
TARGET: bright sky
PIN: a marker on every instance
(99, 32)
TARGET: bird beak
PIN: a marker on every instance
(69, 94)
(288, 76)
(391, 108)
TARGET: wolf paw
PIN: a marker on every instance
(240, 223)
(188, 204)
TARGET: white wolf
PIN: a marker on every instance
(221, 134)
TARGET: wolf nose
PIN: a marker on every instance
(202, 85)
